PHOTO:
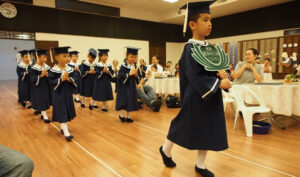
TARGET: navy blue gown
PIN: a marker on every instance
(78, 82)
(41, 97)
(102, 86)
(62, 94)
(200, 124)
(87, 81)
(23, 82)
(126, 89)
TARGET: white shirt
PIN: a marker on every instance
(159, 69)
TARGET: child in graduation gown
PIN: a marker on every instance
(62, 80)
(88, 78)
(23, 79)
(41, 98)
(126, 84)
(73, 63)
(31, 85)
(200, 124)
(102, 86)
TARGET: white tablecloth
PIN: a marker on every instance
(281, 99)
(164, 85)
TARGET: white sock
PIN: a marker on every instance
(92, 102)
(201, 158)
(122, 113)
(64, 127)
(104, 105)
(44, 114)
(167, 147)
(128, 115)
(77, 97)
(28, 103)
(82, 99)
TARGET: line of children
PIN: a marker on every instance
(102, 90)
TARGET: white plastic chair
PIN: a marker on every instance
(238, 92)
(227, 99)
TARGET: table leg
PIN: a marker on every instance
(273, 119)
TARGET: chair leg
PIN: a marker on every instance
(248, 123)
(236, 118)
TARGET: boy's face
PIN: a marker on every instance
(131, 58)
(103, 58)
(142, 62)
(74, 58)
(169, 64)
(26, 59)
(43, 59)
(62, 58)
(91, 59)
(250, 57)
(115, 63)
(203, 26)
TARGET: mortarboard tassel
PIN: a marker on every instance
(186, 19)
(51, 57)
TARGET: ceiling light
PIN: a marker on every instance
(171, 1)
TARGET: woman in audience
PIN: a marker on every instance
(267, 67)
(248, 71)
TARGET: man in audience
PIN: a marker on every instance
(14, 164)
(143, 67)
(155, 61)
(249, 71)
(146, 93)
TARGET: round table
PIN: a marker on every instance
(282, 99)
(168, 85)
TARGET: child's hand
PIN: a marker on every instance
(76, 69)
(222, 74)
(92, 71)
(225, 84)
(133, 72)
(65, 77)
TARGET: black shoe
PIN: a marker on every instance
(24, 104)
(122, 119)
(167, 160)
(95, 106)
(90, 107)
(77, 101)
(104, 109)
(37, 112)
(47, 121)
(82, 105)
(69, 138)
(204, 172)
(158, 106)
(29, 107)
(42, 117)
(61, 131)
(129, 120)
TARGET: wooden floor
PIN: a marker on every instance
(105, 147)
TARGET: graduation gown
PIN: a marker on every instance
(41, 97)
(126, 89)
(102, 85)
(78, 81)
(87, 81)
(62, 94)
(200, 124)
(23, 82)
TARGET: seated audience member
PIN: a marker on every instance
(155, 62)
(143, 67)
(267, 67)
(176, 73)
(248, 71)
(166, 71)
(14, 164)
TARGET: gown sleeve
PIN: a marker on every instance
(99, 71)
(34, 77)
(123, 74)
(21, 73)
(54, 80)
(204, 82)
(73, 77)
(84, 70)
